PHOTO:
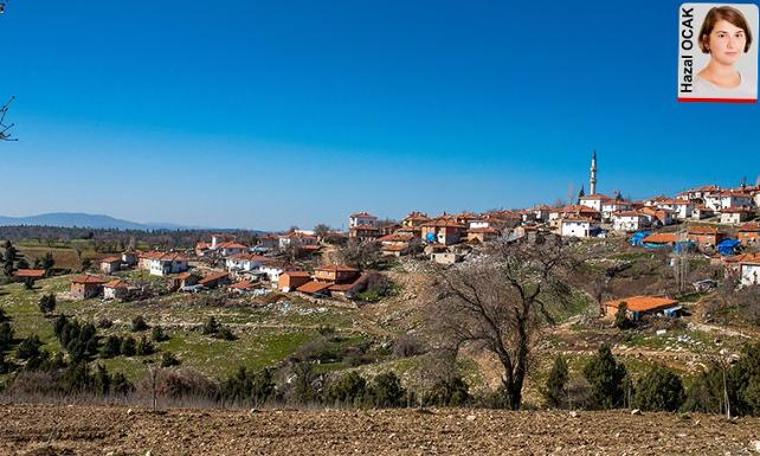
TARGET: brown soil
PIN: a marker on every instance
(80, 430)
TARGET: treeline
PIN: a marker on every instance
(113, 240)
(724, 388)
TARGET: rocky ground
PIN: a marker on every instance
(100, 430)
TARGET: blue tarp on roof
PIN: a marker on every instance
(638, 237)
(728, 247)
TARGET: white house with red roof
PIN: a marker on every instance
(245, 262)
(735, 215)
(630, 221)
(579, 227)
(362, 218)
(163, 263)
(594, 201)
(749, 267)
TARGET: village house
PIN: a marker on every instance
(87, 286)
(336, 273)
(749, 233)
(129, 259)
(705, 236)
(110, 264)
(594, 201)
(735, 215)
(749, 268)
(116, 289)
(629, 221)
(699, 194)
(465, 218)
(541, 213)
(614, 205)
(268, 242)
(364, 233)
(214, 279)
(163, 263)
(481, 235)
(657, 217)
(735, 199)
(573, 211)
(702, 212)
(638, 306)
(682, 210)
(415, 219)
(297, 238)
(22, 275)
(245, 262)
(579, 227)
(242, 287)
(291, 280)
(443, 232)
(315, 288)
(361, 219)
(395, 244)
(184, 280)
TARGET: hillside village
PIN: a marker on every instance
(720, 224)
(355, 300)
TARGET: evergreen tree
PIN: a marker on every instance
(145, 347)
(102, 380)
(555, 390)
(386, 391)
(112, 347)
(6, 336)
(605, 375)
(660, 390)
(128, 346)
(29, 347)
(138, 324)
(621, 317)
(47, 303)
(349, 388)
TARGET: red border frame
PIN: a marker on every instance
(718, 100)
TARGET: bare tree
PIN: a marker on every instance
(359, 254)
(501, 301)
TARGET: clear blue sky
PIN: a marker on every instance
(260, 114)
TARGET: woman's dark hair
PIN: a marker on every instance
(723, 13)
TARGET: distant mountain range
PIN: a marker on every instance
(96, 221)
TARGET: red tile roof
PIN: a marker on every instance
(362, 214)
(661, 238)
(213, 277)
(244, 285)
(336, 268)
(163, 256)
(749, 228)
(296, 273)
(397, 237)
(31, 273)
(596, 197)
(111, 259)
(314, 287)
(643, 303)
(89, 279)
(702, 230)
(117, 283)
(750, 258)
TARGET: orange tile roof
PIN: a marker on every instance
(397, 237)
(32, 273)
(297, 273)
(362, 214)
(111, 259)
(163, 256)
(336, 268)
(213, 277)
(394, 248)
(750, 258)
(249, 257)
(749, 228)
(661, 238)
(701, 230)
(736, 210)
(89, 279)
(643, 303)
(596, 197)
(314, 287)
(485, 230)
(186, 275)
(117, 283)
(441, 223)
(244, 285)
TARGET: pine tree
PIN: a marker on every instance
(605, 375)
(555, 390)
(660, 390)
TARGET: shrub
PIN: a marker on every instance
(449, 391)
(104, 323)
(408, 345)
(621, 317)
(555, 390)
(605, 375)
(349, 388)
(6, 336)
(168, 359)
(29, 348)
(179, 384)
(128, 346)
(47, 303)
(138, 324)
(225, 334)
(112, 347)
(660, 390)
(158, 334)
(3, 316)
(145, 347)
(304, 388)
(211, 327)
(246, 386)
(120, 385)
(386, 391)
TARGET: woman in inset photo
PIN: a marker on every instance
(726, 36)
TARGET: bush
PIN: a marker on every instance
(3, 316)
(348, 389)
(305, 386)
(168, 359)
(181, 384)
(138, 324)
(621, 317)
(660, 390)
(120, 385)
(47, 303)
(144, 347)
(408, 345)
(29, 348)
(225, 334)
(449, 391)
(128, 346)
(211, 327)
(605, 376)
(104, 323)
(112, 347)
(158, 334)
(555, 390)
(6, 336)
(248, 387)
(386, 391)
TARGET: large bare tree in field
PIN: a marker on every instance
(501, 301)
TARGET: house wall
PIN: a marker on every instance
(592, 203)
(575, 229)
(85, 290)
(750, 274)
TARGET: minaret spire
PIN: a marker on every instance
(592, 181)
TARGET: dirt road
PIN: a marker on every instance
(77, 430)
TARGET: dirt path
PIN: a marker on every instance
(76, 430)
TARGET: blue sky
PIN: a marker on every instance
(259, 114)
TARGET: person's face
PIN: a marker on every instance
(726, 42)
